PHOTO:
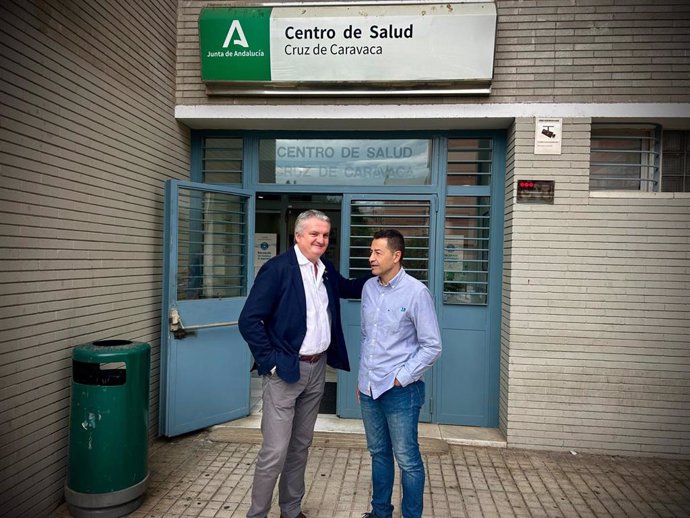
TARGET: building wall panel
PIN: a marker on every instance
(507, 301)
(87, 139)
(598, 311)
(610, 51)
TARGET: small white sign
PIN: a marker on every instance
(547, 137)
(265, 247)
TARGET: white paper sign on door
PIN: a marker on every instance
(265, 247)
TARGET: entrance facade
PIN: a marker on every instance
(443, 192)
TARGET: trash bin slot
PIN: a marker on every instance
(112, 343)
(112, 366)
(109, 374)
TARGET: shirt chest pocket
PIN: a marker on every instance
(393, 319)
(388, 319)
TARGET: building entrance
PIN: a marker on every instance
(275, 223)
(354, 220)
(444, 193)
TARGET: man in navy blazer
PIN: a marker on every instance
(291, 321)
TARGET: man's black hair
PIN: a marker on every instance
(395, 239)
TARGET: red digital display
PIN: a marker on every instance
(535, 191)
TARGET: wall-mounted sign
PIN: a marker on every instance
(535, 191)
(425, 44)
(265, 247)
(547, 137)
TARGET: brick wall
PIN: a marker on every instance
(596, 315)
(87, 138)
(557, 51)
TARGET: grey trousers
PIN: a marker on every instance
(287, 426)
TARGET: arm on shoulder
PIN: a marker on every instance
(352, 288)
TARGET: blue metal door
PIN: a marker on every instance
(363, 215)
(467, 376)
(204, 361)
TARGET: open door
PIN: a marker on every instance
(204, 360)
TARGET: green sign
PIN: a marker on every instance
(235, 44)
(349, 44)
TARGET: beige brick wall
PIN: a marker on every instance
(557, 51)
(504, 367)
(87, 138)
(596, 330)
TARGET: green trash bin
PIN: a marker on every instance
(108, 438)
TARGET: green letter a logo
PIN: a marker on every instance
(235, 44)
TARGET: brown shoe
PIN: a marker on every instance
(300, 515)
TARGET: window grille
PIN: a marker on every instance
(675, 163)
(469, 161)
(467, 221)
(466, 250)
(222, 160)
(624, 157)
(411, 218)
(212, 245)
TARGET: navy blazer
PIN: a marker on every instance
(274, 318)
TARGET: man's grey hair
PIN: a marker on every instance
(308, 214)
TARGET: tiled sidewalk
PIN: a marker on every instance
(195, 476)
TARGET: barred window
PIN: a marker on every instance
(212, 245)
(675, 163)
(466, 250)
(469, 161)
(625, 157)
(412, 218)
(222, 160)
(467, 221)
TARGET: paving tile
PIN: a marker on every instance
(193, 476)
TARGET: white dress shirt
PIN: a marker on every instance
(318, 336)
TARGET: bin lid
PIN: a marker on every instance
(109, 350)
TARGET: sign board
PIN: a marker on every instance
(265, 247)
(353, 44)
(547, 137)
(535, 191)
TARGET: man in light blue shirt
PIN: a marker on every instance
(400, 341)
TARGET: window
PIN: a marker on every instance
(675, 163)
(469, 161)
(395, 162)
(466, 250)
(222, 160)
(212, 245)
(412, 218)
(467, 221)
(624, 157)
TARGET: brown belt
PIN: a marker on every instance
(310, 358)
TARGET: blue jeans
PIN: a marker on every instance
(390, 423)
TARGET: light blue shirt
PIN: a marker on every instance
(400, 333)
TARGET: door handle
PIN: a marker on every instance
(179, 330)
(205, 326)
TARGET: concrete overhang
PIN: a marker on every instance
(402, 117)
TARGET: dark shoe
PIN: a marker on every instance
(300, 515)
(369, 515)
